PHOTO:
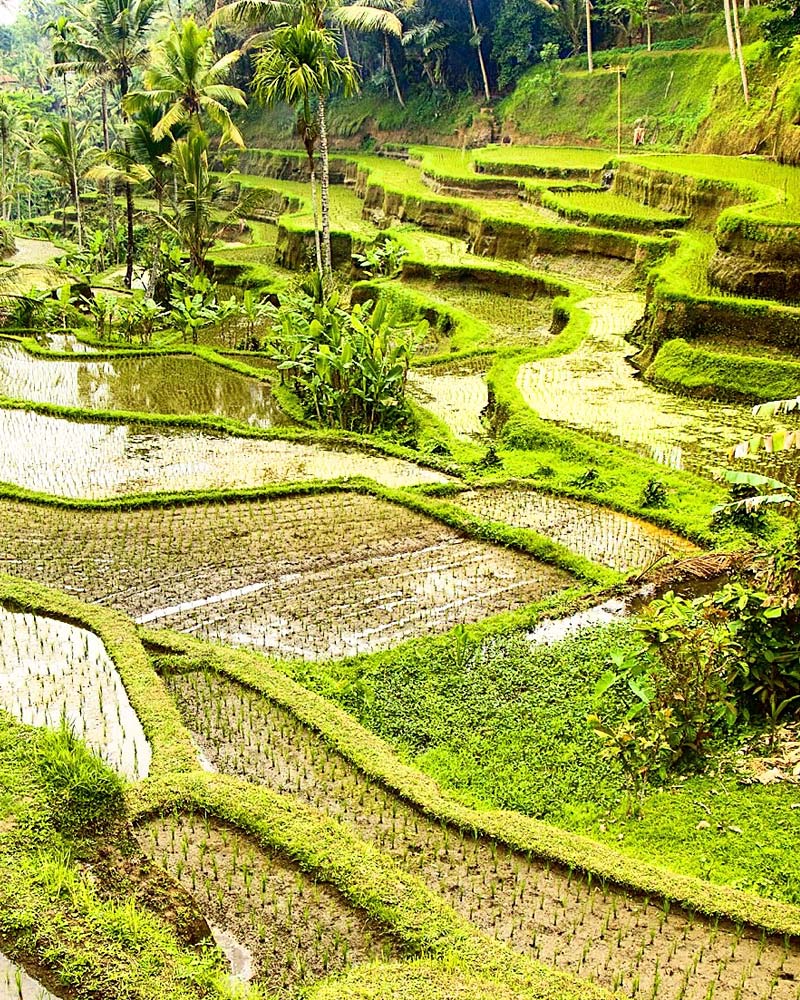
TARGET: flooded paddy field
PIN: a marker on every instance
(53, 671)
(605, 934)
(164, 384)
(96, 460)
(605, 536)
(595, 389)
(283, 929)
(455, 393)
(16, 984)
(314, 577)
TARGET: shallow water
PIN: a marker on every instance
(16, 984)
(51, 670)
(67, 343)
(456, 397)
(603, 535)
(94, 460)
(143, 385)
(595, 388)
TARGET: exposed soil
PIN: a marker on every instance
(615, 938)
(296, 930)
(314, 576)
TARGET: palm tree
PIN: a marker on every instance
(477, 42)
(149, 152)
(113, 42)
(196, 192)
(364, 16)
(187, 82)
(297, 65)
(68, 158)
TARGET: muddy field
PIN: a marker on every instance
(320, 576)
(617, 939)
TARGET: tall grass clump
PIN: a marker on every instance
(83, 791)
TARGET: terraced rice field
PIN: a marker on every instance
(602, 535)
(291, 928)
(456, 394)
(617, 939)
(313, 577)
(54, 671)
(594, 389)
(95, 460)
(513, 321)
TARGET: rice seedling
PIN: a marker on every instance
(537, 908)
(314, 576)
(600, 534)
(54, 672)
(16, 984)
(95, 460)
(289, 933)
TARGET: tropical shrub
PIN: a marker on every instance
(348, 368)
(382, 260)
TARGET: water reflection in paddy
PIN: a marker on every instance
(95, 460)
(144, 385)
(595, 388)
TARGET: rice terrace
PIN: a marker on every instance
(399, 483)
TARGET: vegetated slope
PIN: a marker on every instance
(689, 99)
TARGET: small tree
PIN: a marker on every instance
(300, 64)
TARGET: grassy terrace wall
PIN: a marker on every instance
(375, 759)
(490, 231)
(682, 367)
(676, 309)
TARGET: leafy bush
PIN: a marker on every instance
(654, 494)
(382, 260)
(82, 789)
(349, 369)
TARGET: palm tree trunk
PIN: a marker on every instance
(110, 207)
(312, 169)
(346, 42)
(129, 243)
(589, 50)
(479, 50)
(327, 255)
(740, 55)
(729, 29)
(129, 236)
(387, 55)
